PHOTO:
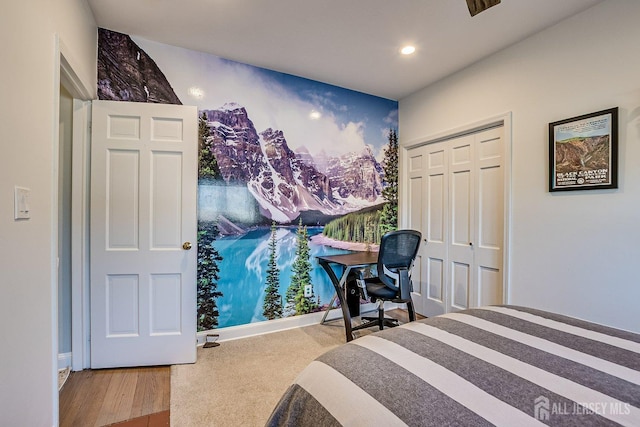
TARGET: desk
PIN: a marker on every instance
(348, 262)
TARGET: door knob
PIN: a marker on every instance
(186, 246)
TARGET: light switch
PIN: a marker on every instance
(21, 203)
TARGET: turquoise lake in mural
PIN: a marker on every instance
(243, 271)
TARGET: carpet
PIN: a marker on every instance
(63, 375)
(239, 382)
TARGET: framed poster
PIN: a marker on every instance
(583, 152)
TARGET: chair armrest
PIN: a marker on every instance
(404, 283)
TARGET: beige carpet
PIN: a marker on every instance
(63, 375)
(240, 382)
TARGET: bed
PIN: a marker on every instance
(498, 365)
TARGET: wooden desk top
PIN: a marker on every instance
(351, 260)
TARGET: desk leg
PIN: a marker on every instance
(341, 297)
(326, 312)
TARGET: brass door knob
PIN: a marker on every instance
(186, 246)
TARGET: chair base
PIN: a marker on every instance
(381, 321)
(374, 321)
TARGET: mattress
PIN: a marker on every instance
(497, 365)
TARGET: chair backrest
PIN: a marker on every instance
(398, 250)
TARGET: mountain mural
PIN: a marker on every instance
(127, 73)
(286, 184)
(285, 170)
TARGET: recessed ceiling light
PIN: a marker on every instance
(407, 50)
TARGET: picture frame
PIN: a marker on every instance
(583, 152)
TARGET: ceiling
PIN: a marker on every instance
(349, 43)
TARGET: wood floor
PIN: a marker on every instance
(126, 397)
(105, 397)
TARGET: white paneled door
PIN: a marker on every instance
(455, 191)
(428, 198)
(143, 234)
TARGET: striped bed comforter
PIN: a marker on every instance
(498, 365)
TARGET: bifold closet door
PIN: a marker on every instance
(489, 217)
(427, 212)
(456, 199)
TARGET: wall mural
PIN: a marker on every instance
(289, 169)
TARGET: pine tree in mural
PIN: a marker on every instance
(363, 226)
(369, 234)
(272, 306)
(302, 274)
(207, 276)
(290, 300)
(207, 163)
(389, 216)
(292, 290)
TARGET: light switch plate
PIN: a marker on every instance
(22, 203)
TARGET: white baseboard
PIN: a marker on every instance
(270, 326)
(64, 360)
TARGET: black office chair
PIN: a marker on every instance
(398, 250)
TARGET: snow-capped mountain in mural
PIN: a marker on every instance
(356, 177)
(285, 183)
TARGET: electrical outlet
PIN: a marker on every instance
(308, 291)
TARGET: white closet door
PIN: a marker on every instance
(489, 218)
(461, 214)
(456, 190)
(428, 195)
(415, 221)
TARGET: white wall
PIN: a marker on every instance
(571, 252)
(28, 119)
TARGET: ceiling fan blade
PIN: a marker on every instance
(477, 6)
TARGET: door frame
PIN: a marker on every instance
(67, 76)
(64, 74)
(504, 120)
(80, 309)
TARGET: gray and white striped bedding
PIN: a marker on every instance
(498, 365)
